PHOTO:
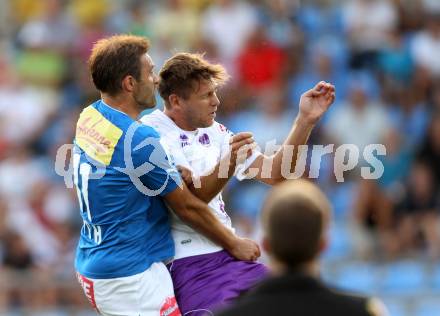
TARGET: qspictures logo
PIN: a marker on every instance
(98, 138)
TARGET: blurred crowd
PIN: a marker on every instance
(382, 56)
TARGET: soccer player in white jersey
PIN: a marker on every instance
(122, 183)
(204, 275)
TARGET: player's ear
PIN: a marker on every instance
(128, 83)
(323, 242)
(174, 100)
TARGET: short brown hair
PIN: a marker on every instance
(182, 71)
(294, 217)
(115, 57)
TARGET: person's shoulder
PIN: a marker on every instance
(152, 117)
(91, 109)
(371, 306)
(218, 127)
(143, 131)
(159, 121)
(218, 130)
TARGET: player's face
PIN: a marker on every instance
(144, 93)
(201, 106)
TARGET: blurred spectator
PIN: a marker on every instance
(39, 33)
(395, 61)
(410, 117)
(324, 65)
(375, 200)
(260, 63)
(418, 213)
(396, 163)
(367, 24)
(360, 120)
(24, 10)
(6, 23)
(91, 17)
(16, 253)
(31, 106)
(410, 14)
(431, 6)
(270, 109)
(320, 18)
(228, 24)
(277, 16)
(19, 172)
(430, 150)
(425, 43)
(175, 26)
(90, 14)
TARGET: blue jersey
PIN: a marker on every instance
(120, 173)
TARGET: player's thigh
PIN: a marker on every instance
(149, 293)
(158, 297)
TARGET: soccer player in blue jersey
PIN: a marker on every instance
(123, 176)
(200, 145)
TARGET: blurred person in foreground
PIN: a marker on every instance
(123, 177)
(295, 218)
(206, 153)
(417, 215)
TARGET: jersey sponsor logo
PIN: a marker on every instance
(186, 241)
(183, 140)
(96, 135)
(88, 288)
(169, 307)
(204, 139)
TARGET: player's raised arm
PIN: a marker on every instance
(197, 214)
(313, 104)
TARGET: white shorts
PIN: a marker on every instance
(149, 293)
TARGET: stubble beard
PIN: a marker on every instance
(146, 103)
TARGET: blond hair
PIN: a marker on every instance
(182, 72)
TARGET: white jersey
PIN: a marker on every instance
(200, 151)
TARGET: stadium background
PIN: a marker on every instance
(382, 56)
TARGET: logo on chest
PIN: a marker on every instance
(204, 139)
(184, 141)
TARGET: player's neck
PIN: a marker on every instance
(179, 121)
(310, 268)
(121, 104)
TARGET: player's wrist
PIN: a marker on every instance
(231, 242)
(306, 121)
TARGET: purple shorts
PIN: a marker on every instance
(207, 282)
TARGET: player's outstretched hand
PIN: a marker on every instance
(316, 101)
(245, 249)
(241, 146)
